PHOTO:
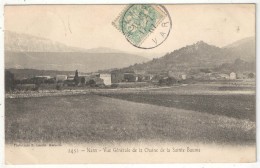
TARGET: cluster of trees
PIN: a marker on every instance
(34, 83)
(35, 80)
(168, 81)
(9, 81)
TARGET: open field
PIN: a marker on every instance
(235, 106)
(217, 99)
(143, 117)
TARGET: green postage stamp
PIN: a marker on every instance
(144, 26)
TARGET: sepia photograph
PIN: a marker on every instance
(139, 83)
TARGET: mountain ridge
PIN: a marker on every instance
(25, 51)
(191, 57)
(20, 42)
(201, 55)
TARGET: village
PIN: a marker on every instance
(119, 78)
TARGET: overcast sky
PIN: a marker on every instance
(89, 26)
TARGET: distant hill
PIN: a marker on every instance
(243, 49)
(203, 56)
(29, 73)
(69, 61)
(28, 52)
(237, 66)
(103, 50)
(16, 42)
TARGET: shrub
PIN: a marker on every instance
(58, 87)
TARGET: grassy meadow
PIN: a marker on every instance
(132, 117)
(235, 106)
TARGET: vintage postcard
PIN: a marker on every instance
(139, 83)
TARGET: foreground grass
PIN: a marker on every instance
(92, 118)
(236, 106)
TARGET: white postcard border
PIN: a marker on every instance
(27, 2)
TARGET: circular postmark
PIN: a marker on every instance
(146, 26)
